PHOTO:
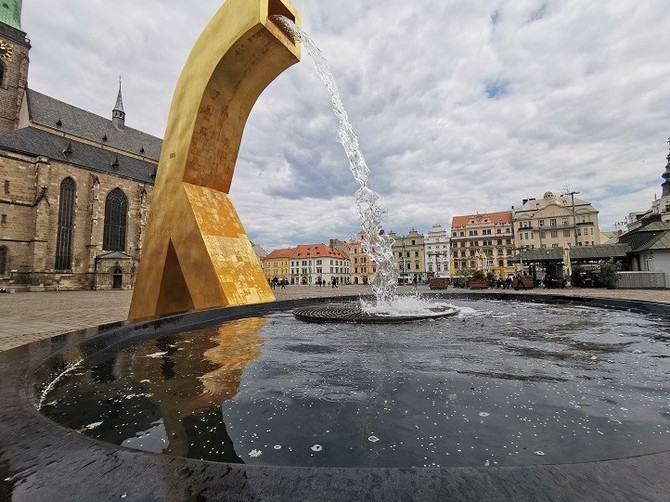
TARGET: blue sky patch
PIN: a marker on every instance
(497, 89)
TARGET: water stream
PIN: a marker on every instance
(376, 243)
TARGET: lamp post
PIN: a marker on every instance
(572, 193)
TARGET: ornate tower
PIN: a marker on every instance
(14, 47)
(666, 177)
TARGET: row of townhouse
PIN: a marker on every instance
(485, 241)
(308, 264)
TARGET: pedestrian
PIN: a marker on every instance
(519, 282)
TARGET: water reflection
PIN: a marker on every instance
(158, 394)
(493, 387)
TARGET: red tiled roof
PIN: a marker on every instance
(497, 218)
(280, 253)
(318, 250)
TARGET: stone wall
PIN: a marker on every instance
(29, 202)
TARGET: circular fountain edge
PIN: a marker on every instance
(40, 460)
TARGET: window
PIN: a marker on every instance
(6, 187)
(554, 233)
(65, 224)
(3, 261)
(116, 214)
(3, 219)
(566, 233)
(543, 234)
(541, 223)
(552, 222)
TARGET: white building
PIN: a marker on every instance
(436, 246)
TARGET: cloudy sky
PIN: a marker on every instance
(460, 106)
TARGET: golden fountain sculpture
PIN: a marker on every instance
(196, 253)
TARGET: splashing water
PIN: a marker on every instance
(376, 244)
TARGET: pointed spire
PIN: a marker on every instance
(666, 176)
(118, 115)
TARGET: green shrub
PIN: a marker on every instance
(607, 273)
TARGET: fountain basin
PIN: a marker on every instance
(39, 459)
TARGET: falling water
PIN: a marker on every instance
(376, 243)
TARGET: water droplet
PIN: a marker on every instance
(373, 439)
(317, 447)
(483, 414)
(277, 447)
(255, 453)
(539, 453)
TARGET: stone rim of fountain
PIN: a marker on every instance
(41, 460)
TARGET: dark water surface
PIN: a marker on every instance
(501, 384)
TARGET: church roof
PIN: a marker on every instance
(60, 116)
(32, 141)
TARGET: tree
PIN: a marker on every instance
(607, 273)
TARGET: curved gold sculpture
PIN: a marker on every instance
(196, 252)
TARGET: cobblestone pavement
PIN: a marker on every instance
(27, 317)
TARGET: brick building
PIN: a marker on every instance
(75, 187)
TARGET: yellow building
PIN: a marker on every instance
(555, 222)
(410, 256)
(276, 264)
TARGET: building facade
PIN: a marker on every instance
(556, 221)
(409, 255)
(76, 187)
(318, 263)
(363, 268)
(276, 265)
(483, 241)
(437, 249)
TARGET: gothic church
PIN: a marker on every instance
(75, 187)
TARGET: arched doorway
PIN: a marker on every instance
(117, 278)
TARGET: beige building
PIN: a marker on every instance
(75, 187)
(483, 241)
(410, 256)
(363, 269)
(276, 264)
(555, 222)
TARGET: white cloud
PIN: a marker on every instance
(583, 100)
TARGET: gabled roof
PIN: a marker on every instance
(318, 251)
(36, 142)
(497, 218)
(280, 253)
(50, 112)
(651, 235)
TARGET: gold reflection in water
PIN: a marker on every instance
(192, 373)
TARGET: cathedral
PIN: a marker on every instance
(76, 187)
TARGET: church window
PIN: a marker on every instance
(3, 261)
(116, 214)
(6, 187)
(65, 225)
(3, 84)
